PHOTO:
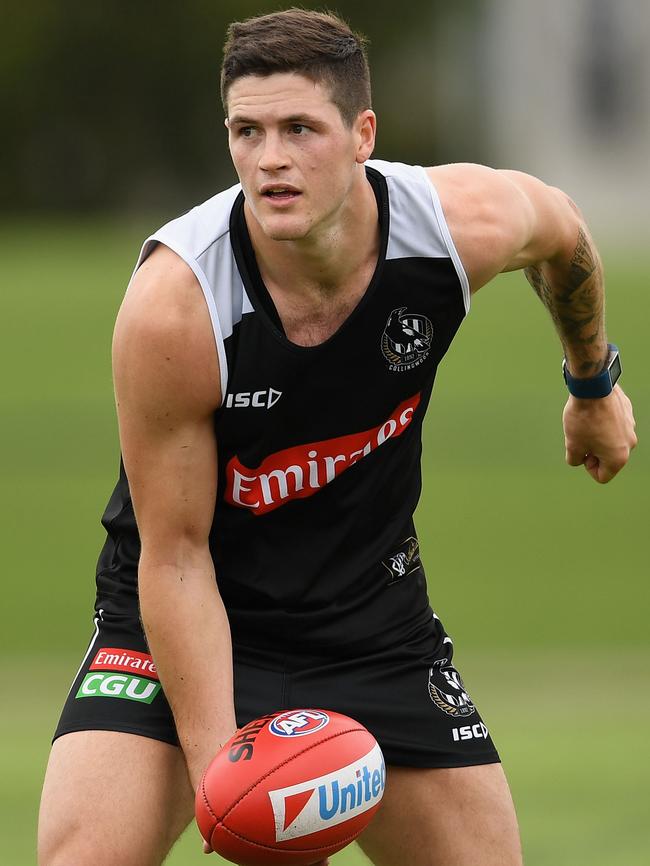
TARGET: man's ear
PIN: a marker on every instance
(366, 128)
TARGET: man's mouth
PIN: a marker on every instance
(280, 193)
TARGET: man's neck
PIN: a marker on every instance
(329, 257)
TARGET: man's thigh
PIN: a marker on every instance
(463, 816)
(112, 799)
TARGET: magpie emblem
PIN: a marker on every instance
(452, 698)
(406, 340)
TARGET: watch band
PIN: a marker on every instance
(596, 386)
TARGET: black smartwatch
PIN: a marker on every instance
(596, 386)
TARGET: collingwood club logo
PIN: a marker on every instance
(454, 703)
(406, 340)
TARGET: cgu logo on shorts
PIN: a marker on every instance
(108, 685)
(302, 470)
(317, 804)
(298, 723)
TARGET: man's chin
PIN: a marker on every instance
(277, 231)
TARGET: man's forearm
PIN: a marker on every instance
(189, 637)
(573, 292)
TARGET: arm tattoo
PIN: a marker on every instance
(582, 263)
(574, 298)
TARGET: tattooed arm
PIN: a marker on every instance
(507, 220)
(574, 297)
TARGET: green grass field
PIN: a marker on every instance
(539, 574)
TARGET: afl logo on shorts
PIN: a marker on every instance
(455, 702)
(406, 340)
(298, 723)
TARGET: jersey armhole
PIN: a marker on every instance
(199, 273)
(446, 236)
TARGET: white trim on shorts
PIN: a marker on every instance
(99, 618)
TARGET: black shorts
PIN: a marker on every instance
(411, 697)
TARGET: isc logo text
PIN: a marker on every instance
(470, 732)
(253, 399)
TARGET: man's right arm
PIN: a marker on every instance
(507, 220)
(167, 388)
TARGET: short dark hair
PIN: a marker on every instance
(318, 45)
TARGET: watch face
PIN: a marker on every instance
(615, 369)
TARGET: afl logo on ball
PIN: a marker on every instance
(406, 340)
(298, 723)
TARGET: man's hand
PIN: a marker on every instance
(599, 434)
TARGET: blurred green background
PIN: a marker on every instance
(112, 126)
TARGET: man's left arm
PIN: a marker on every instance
(507, 220)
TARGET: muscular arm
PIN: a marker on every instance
(574, 296)
(507, 220)
(167, 387)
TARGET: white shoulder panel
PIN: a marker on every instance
(418, 228)
(201, 237)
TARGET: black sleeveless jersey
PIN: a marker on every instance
(319, 447)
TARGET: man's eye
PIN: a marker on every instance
(299, 128)
(246, 131)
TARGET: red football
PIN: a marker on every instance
(291, 788)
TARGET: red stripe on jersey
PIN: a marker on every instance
(303, 470)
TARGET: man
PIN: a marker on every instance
(273, 360)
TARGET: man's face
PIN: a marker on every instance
(295, 157)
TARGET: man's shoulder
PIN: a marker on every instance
(163, 294)
(397, 170)
(480, 185)
(409, 189)
(194, 231)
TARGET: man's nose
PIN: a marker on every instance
(274, 155)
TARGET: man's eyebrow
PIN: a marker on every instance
(240, 120)
(302, 118)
